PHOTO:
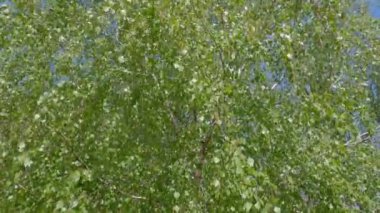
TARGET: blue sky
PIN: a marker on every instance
(374, 8)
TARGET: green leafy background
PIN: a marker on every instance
(189, 106)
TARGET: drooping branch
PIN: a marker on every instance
(205, 142)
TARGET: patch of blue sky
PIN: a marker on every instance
(7, 3)
(86, 3)
(374, 8)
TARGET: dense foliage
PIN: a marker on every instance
(188, 106)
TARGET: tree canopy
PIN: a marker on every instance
(189, 106)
